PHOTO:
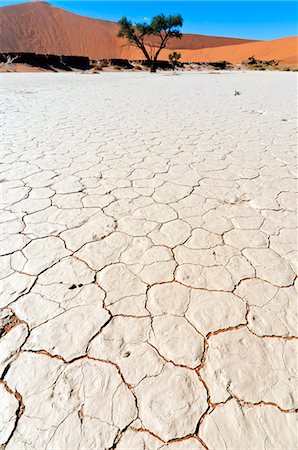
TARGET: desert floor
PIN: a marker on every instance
(148, 241)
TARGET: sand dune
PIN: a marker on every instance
(41, 28)
(283, 50)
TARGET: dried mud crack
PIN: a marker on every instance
(148, 268)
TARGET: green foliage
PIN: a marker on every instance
(174, 57)
(162, 27)
(134, 34)
(169, 25)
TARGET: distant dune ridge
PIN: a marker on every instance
(38, 27)
(284, 50)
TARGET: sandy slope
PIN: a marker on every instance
(41, 28)
(283, 50)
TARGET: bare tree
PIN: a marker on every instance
(9, 61)
(162, 27)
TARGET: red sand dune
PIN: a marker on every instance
(41, 28)
(38, 27)
(283, 50)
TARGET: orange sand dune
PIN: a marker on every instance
(41, 28)
(38, 27)
(284, 50)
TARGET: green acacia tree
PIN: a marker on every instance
(174, 58)
(161, 26)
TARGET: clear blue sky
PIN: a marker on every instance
(246, 19)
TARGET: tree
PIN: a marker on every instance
(174, 58)
(251, 60)
(162, 27)
(9, 62)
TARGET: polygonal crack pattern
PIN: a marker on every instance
(148, 262)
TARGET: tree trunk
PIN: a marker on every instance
(153, 66)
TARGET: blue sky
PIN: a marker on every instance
(245, 19)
